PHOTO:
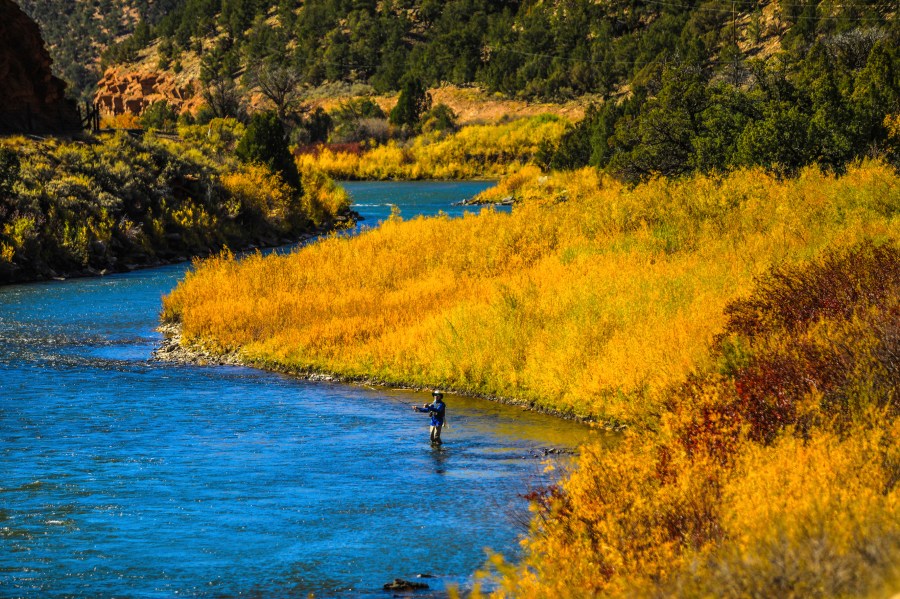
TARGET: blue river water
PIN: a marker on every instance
(123, 477)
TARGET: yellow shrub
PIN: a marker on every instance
(817, 518)
(121, 121)
(20, 230)
(775, 478)
(219, 135)
(508, 187)
(7, 252)
(589, 298)
(802, 518)
(892, 123)
(193, 217)
(261, 191)
(476, 151)
(323, 199)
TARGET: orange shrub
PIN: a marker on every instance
(790, 493)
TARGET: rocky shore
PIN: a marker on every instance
(172, 349)
(478, 201)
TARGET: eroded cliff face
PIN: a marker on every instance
(122, 91)
(32, 100)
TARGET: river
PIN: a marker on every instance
(122, 477)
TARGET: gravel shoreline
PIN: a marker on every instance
(172, 350)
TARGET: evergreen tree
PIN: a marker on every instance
(414, 100)
(876, 91)
(159, 115)
(218, 68)
(661, 138)
(264, 142)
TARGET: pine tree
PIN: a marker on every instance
(264, 142)
(414, 101)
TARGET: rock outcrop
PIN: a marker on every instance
(123, 92)
(32, 100)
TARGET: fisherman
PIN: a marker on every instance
(437, 409)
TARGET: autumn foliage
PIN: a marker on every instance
(591, 298)
(746, 328)
(775, 475)
(115, 200)
(476, 151)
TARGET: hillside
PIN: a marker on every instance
(32, 100)
(530, 48)
(78, 33)
(667, 88)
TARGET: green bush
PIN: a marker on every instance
(440, 118)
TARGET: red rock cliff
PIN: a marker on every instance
(121, 92)
(32, 100)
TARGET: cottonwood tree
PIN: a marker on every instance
(280, 84)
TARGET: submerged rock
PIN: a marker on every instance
(544, 452)
(399, 584)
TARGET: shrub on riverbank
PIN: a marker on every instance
(116, 201)
(591, 298)
(476, 151)
(774, 474)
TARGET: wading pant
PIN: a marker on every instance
(436, 434)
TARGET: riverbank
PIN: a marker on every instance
(142, 262)
(550, 304)
(116, 203)
(173, 349)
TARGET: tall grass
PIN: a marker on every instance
(775, 475)
(590, 298)
(475, 151)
